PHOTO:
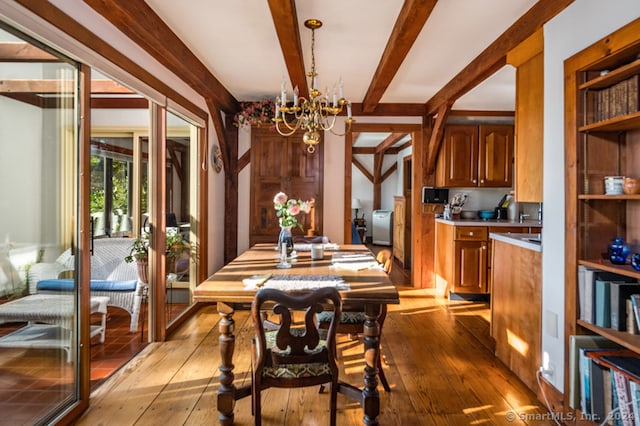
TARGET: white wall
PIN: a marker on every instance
(20, 162)
(581, 24)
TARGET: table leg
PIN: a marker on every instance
(370, 395)
(227, 390)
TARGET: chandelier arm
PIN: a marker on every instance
(284, 132)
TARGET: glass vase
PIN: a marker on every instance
(618, 251)
(286, 238)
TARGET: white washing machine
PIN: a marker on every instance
(382, 227)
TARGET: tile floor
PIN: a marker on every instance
(35, 381)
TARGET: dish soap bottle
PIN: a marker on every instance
(512, 209)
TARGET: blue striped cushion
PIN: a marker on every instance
(97, 285)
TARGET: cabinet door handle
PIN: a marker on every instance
(481, 180)
(474, 181)
(471, 233)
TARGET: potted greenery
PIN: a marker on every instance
(175, 245)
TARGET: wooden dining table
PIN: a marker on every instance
(367, 289)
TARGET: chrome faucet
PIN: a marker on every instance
(522, 216)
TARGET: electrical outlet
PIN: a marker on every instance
(547, 372)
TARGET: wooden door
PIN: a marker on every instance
(399, 229)
(470, 269)
(280, 163)
(458, 157)
(495, 166)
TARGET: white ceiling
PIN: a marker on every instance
(237, 41)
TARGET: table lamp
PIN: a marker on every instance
(356, 204)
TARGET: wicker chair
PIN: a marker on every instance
(294, 354)
(107, 266)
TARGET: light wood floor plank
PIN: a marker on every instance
(439, 358)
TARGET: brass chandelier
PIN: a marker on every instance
(315, 113)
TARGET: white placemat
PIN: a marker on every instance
(354, 261)
(298, 282)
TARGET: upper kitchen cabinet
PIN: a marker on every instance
(476, 156)
(527, 57)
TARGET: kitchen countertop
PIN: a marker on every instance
(489, 222)
(520, 240)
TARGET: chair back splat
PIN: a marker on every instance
(295, 354)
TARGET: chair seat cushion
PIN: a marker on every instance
(293, 371)
(345, 318)
(96, 285)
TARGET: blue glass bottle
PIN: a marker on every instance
(635, 261)
(618, 251)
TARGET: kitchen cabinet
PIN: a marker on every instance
(480, 156)
(398, 228)
(463, 254)
(402, 230)
(602, 138)
(470, 259)
(516, 308)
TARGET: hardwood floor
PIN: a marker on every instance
(439, 362)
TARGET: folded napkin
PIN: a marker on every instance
(255, 281)
(305, 282)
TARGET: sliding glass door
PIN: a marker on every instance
(39, 339)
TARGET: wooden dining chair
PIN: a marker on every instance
(295, 354)
(352, 319)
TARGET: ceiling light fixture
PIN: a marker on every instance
(315, 113)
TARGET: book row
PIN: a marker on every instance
(619, 99)
(604, 381)
(609, 300)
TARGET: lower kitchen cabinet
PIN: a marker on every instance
(463, 255)
(470, 269)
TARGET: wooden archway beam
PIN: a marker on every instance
(410, 21)
(435, 139)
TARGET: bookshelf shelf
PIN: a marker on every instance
(602, 138)
(609, 197)
(606, 265)
(616, 76)
(615, 124)
(629, 341)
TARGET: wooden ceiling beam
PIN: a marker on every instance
(494, 57)
(119, 103)
(138, 21)
(363, 169)
(53, 86)
(389, 171)
(435, 140)
(388, 110)
(216, 116)
(285, 21)
(389, 141)
(63, 22)
(410, 21)
(24, 52)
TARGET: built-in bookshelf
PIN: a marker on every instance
(602, 138)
